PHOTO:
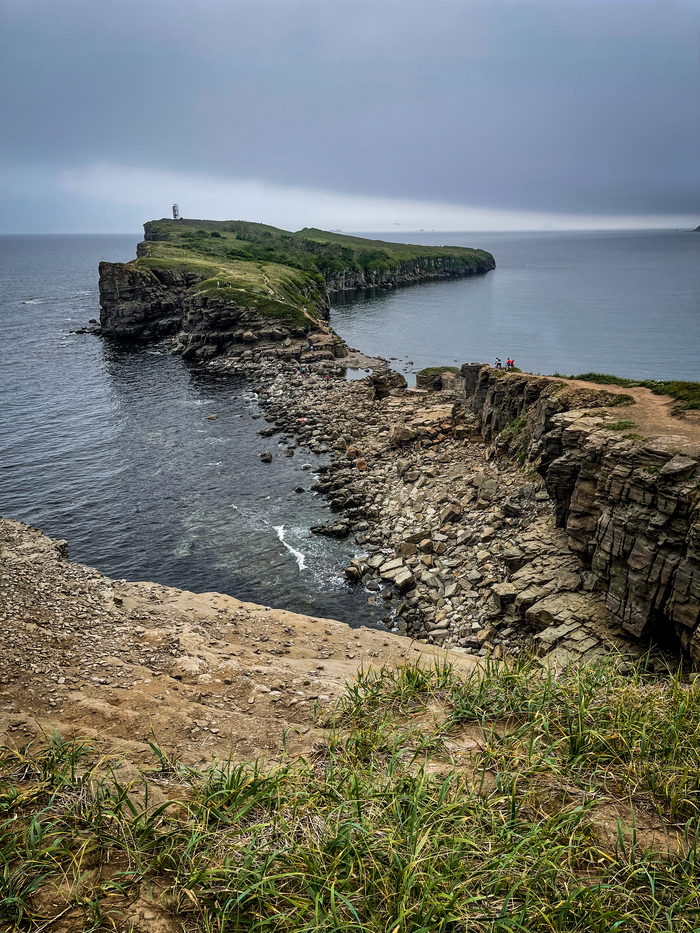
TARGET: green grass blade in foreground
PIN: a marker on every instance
(387, 828)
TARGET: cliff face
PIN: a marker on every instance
(630, 507)
(407, 273)
(143, 304)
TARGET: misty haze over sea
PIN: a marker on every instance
(108, 446)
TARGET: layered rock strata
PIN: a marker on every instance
(407, 273)
(141, 303)
(630, 506)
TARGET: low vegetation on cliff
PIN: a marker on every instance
(687, 394)
(271, 266)
(502, 800)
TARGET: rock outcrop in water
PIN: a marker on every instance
(143, 304)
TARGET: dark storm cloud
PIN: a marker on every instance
(556, 105)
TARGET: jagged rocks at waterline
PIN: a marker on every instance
(457, 543)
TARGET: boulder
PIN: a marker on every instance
(404, 579)
(451, 513)
(402, 434)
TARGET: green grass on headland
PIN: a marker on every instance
(505, 800)
(686, 393)
(279, 272)
(434, 370)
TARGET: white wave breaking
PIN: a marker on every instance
(300, 559)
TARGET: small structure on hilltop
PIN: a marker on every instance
(176, 212)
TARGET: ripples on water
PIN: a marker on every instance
(109, 446)
(624, 303)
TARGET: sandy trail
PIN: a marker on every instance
(652, 414)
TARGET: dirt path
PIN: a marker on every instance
(652, 414)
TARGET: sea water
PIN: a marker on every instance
(109, 445)
(626, 303)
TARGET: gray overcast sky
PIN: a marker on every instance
(455, 112)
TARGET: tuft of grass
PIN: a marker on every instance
(607, 379)
(619, 426)
(439, 802)
(434, 370)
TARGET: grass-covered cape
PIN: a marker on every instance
(278, 272)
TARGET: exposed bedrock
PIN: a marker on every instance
(630, 506)
(143, 304)
(416, 270)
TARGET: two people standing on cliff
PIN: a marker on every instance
(510, 364)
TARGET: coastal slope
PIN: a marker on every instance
(227, 288)
(206, 674)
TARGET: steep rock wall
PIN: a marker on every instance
(630, 508)
(141, 303)
(144, 304)
(408, 273)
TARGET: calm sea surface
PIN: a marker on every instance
(109, 446)
(623, 303)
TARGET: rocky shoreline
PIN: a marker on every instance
(466, 503)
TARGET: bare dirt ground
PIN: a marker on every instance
(205, 676)
(653, 414)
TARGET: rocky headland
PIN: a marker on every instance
(233, 288)
(491, 514)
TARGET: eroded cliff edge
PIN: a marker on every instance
(630, 505)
